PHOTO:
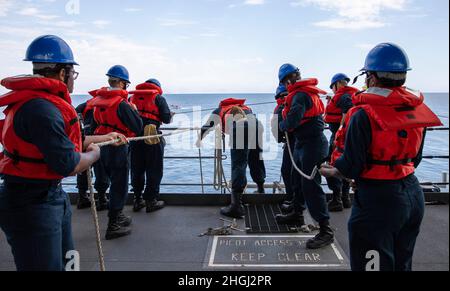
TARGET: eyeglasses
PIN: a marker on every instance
(74, 74)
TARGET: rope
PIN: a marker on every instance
(141, 138)
(315, 170)
(211, 109)
(201, 170)
(220, 180)
(101, 257)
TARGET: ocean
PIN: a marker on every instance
(187, 171)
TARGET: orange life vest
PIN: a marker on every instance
(334, 114)
(308, 86)
(398, 118)
(226, 106)
(144, 97)
(106, 106)
(23, 159)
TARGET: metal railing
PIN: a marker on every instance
(221, 184)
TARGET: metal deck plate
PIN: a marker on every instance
(272, 252)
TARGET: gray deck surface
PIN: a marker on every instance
(168, 240)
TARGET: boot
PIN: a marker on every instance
(293, 218)
(154, 205)
(124, 221)
(336, 204)
(83, 200)
(346, 200)
(287, 208)
(102, 202)
(236, 208)
(261, 189)
(115, 230)
(323, 239)
(139, 204)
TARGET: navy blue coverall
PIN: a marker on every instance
(102, 181)
(311, 149)
(286, 165)
(386, 215)
(115, 160)
(242, 154)
(36, 214)
(147, 161)
(337, 185)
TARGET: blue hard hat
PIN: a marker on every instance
(50, 49)
(154, 81)
(286, 70)
(339, 77)
(119, 72)
(281, 89)
(387, 57)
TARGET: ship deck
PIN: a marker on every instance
(168, 241)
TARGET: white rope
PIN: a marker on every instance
(101, 257)
(315, 170)
(220, 180)
(141, 138)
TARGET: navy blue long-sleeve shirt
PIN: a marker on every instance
(87, 118)
(129, 117)
(357, 144)
(345, 103)
(301, 103)
(40, 123)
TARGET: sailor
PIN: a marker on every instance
(286, 166)
(42, 142)
(337, 107)
(385, 134)
(147, 157)
(86, 113)
(245, 131)
(113, 112)
(303, 116)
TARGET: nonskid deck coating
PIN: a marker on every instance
(168, 240)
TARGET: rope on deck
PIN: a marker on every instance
(101, 257)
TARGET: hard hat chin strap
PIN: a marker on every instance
(357, 77)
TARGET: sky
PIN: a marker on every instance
(228, 46)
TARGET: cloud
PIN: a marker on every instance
(101, 23)
(5, 6)
(175, 22)
(354, 14)
(254, 2)
(247, 3)
(35, 12)
(130, 10)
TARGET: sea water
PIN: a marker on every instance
(187, 171)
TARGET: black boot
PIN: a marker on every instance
(336, 204)
(102, 202)
(287, 208)
(236, 208)
(115, 229)
(154, 205)
(83, 200)
(346, 200)
(139, 203)
(261, 189)
(293, 218)
(323, 239)
(124, 221)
